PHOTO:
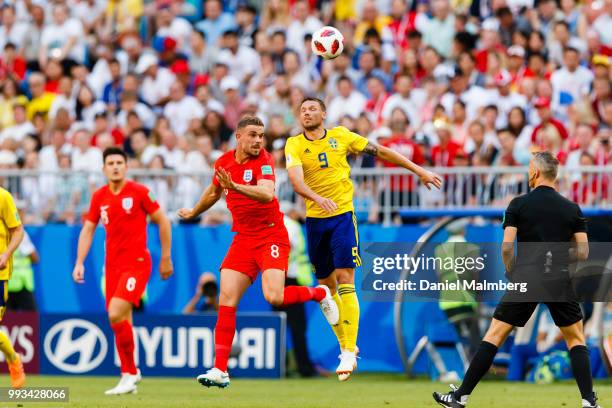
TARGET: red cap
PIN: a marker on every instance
(199, 80)
(169, 44)
(180, 67)
(542, 102)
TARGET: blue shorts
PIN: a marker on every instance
(333, 243)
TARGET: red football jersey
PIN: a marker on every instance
(250, 216)
(124, 217)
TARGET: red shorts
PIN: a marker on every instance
(252, 254)
(128, 282)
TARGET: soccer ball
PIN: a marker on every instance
(327, 42)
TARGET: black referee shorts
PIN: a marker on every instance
(518, 313)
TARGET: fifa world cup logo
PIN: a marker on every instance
(104, 214)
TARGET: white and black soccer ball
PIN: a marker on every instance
(327, 42)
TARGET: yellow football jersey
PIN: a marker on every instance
(9, 219)
(326, 169)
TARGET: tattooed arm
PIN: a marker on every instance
(393, 157)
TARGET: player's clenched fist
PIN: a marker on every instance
(186, 213)
(78, 274)
(165, 267)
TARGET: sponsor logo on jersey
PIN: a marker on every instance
(248, 175)
(333, 143)
(266, 170)
(151, 196)
(127, 203)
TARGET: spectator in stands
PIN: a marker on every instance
(216, 22)
(546, 121)
(405, 98)
(85, 157)
(242, 61)
(303, 23)
(571, 83)
(63, 39)
(347, 102)
(41, 100)
(205, 298)
(156, 80)
(21, 125)
(439, 29)
(183, 111)
(202, 54)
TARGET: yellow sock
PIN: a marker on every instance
(7, 348)
(350, 315)
(338, 328)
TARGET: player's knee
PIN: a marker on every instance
(274, 297)
(345, 276)
(114, 316)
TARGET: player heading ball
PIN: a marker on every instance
(319, 172)
(261, 243)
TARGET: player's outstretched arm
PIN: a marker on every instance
(296, 177)
(384, 153)
(209, 197)
(165, 238)
(16, 235)
(262, 192)
(85, 240)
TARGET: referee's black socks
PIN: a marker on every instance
(581, 366)
(480, 364)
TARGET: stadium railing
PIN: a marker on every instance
(381, 194)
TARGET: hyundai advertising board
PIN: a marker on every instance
(166, 345)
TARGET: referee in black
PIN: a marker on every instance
(546, 217)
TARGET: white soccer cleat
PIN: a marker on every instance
(127, 385)
(214, 378)
(138, 376)
(329, 307)
(348, 364)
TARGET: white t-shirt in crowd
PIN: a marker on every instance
(577, 84)
(89, 160)
(297, 30)
(155, 89)
(339, 107)
(55, 36)
(180, 30)
(17, 132)
(16, 35)
(182, 112)
(245, 62)
(410, 105)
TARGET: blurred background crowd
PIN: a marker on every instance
(448, 83)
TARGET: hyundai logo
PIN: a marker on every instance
(60, 345)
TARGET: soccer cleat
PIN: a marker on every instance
(329, 307)
(127, 385)
(138, 378)
(587, 404)
(450, 400)
(214, 378)
(17, 373)
(348, 364)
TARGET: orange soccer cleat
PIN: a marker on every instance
(17, 373)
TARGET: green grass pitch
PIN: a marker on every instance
(365, 390)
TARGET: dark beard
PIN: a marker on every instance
(311, 127)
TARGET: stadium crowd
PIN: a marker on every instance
(445, 82)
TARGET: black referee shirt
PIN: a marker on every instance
(543, 216)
